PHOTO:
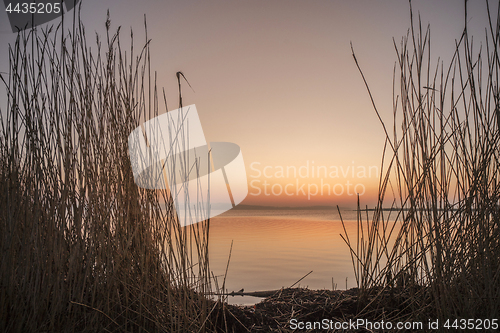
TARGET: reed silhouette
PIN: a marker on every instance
(440, 179)
(83, 248)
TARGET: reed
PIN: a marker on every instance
(83, 248)
(440, 239)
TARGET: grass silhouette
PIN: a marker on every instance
(83, 248)
(441, 179)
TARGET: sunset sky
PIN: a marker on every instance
(278, 79)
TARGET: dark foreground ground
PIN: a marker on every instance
(304, 310)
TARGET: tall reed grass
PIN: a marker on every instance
(440, 241)
(83, 248)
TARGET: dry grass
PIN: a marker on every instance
(83, 248)
(277, 312)
(442, 169)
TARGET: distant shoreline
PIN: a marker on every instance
(394, 209)
(259, 207)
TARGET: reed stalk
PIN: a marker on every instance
(440, 181)
(83, 248)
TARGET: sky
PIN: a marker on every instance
(278, 79)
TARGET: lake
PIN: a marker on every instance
(275, 248)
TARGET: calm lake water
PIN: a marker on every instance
(275, 248)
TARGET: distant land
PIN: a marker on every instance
(257, 207)
(262, 207)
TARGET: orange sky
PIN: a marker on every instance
(311, 184)
(278, 78)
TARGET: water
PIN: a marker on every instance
(275, 248)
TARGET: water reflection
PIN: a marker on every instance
(274, 249)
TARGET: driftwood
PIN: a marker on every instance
(263, 294)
